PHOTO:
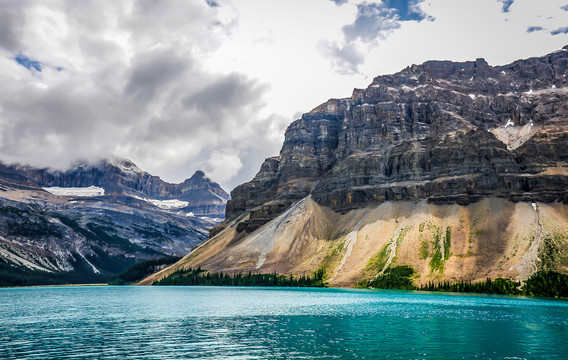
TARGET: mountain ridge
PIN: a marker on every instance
(454, 141)
(91, 222)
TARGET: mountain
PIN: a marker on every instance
(458, 169)
(95, 220)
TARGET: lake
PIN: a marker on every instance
(275, 323)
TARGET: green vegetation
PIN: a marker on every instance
(142, 269)
(547, 283)
(447, 243)
(438, 259)
(424, 249)
(542, 283)
(378, 261)
(497, 286)
(398, 277)
(201, 277)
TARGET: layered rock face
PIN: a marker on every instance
(93, 221)
(443, 131)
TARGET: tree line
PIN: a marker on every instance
(541, 283)
(201, 277)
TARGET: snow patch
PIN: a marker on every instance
(95, 270)
(168, 204)
(126, 166)
(75, 191)
(472, 96)
(509, 122)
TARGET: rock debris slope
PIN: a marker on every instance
(457, 169)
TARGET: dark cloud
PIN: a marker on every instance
(531, 29)
(152, 71)
(562, 30)
(212, 3)
(565, 7)
(506, 5)
(11, 23)
(339, 2)
(225, 94)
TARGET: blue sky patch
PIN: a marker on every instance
(406, 9)
(531, 29)
(212, 3)
(562, 30)
(506, 5)
(28, 63)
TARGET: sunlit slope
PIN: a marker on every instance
(490, 238)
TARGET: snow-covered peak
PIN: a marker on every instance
(125, 165)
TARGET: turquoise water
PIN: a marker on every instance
(275, 323)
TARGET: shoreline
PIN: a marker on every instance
(57, 285)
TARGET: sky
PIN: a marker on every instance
(183, 85)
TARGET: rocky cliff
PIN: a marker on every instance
(467, 149)
(443, 131)
(94, 220)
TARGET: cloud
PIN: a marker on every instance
(150, 72)
(224, 164)
(345, 58)
(339, 2)
(506, 5)
(11, 23)
(225, 95)
(374, 21)
(377, 20)
(564, 7)
(531, 29)
(136, 85)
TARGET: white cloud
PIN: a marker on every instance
(223, 164)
